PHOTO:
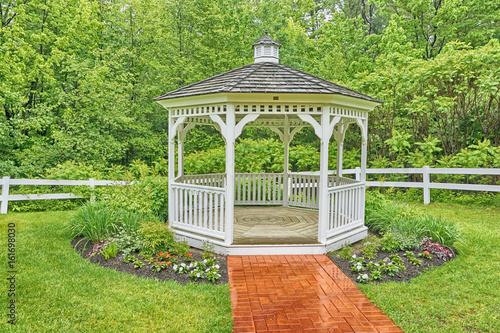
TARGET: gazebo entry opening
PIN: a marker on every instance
(285, 100)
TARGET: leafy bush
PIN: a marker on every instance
(148, 195)
(157, 238)
(128, 241)
(389, 242)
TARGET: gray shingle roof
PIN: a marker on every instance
(266, 40)
(264, 77)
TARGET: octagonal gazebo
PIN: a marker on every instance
(266, 94)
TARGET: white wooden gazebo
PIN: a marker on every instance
(266, 94)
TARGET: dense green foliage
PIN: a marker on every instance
(77, 78)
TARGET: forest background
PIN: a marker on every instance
(77, 79)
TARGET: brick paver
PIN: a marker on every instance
(299, 293)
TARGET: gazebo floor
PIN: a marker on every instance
(275, 225)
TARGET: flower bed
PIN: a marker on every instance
(197, 266)
(365, 263)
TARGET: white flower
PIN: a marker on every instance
(354, 256)
(205, 261)
(217, 266)
(180, 269)
(365, 276)
(218, 275)
(208, 269)
(376, 264)
(191, 265)
(183, 264)
(175, 267)
(197, 274)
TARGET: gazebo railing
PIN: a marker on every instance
(258, 188)
(199, 209)
(303, 190)
(211, 179)
(346, 207)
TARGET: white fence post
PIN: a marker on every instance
(426, 182)
(358, 174)
(92, 193)
(5, 195)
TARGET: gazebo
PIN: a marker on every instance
(285, 100)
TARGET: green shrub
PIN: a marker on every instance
(157, 238)
(148, 195)
(370, 250)
(128, 241)
(389, 243)
(181, 248)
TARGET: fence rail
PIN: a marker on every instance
(426, 183)
(6, 182)
(269, 184)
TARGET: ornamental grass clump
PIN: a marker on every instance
(97, 221)
(403, 227)
(94, 221)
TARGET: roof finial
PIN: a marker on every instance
(267, 34)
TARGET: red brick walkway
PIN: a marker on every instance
(300, 293)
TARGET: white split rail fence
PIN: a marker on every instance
(6, 182)
(426, 183)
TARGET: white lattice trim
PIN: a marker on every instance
(349, 113)
(198, 110)
(278, 108)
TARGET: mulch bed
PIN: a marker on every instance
(145, 271)
(411, 270)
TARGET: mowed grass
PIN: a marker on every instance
(58, 291)
(463, 295)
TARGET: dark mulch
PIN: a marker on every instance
(408, 274)
(145, 271)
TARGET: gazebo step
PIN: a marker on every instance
(239, 250)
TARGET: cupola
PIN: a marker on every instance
(266, 50)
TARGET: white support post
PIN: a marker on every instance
(180, 147)
(363, 124)
(357, 172)
(92, 185)
(340, 155)
(171, 168)
(323, 176)
(180, 155)
(427, 180)
(5, 195)
(286, 144)
(230, 141)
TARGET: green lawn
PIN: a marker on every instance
(463, 295)
(58, 291)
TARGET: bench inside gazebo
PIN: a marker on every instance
(278, 213)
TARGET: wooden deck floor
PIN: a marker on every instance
(275, 225)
